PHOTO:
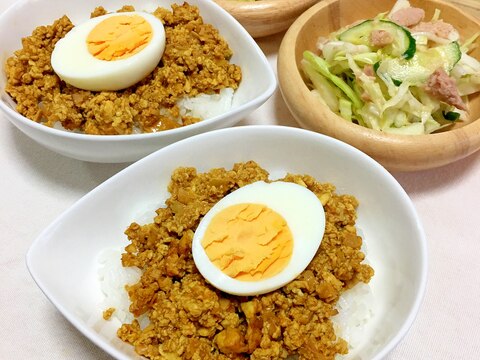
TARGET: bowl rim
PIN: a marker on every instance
(183, 130)
(245, 131)
(266, 17)
(286, 60)
(256, 8)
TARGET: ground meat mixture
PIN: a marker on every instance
(107, 314)
(189, 319)
(196, 60)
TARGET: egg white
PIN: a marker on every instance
(302, 211)
(74, 64)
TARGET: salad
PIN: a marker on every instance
(396, 73)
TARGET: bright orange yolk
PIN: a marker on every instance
(248, 242)
(119, 37)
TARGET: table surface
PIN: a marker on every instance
(37, 185)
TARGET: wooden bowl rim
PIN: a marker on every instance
(254, 9)
(297, 89)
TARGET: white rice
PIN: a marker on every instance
(113, 278)
(355, 310)
(205, 106)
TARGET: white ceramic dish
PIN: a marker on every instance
(258, 83)
(67, 251)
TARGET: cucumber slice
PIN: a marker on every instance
(451, 115)
(417, 70)
(403, 45)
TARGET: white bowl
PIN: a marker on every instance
(67, 251)
(258, 83)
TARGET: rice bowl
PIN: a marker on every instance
(396, 249)
(257, 85)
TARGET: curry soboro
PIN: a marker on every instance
(195, 61)
(189, 319)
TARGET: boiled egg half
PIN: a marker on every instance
(259, 237)
(110, 52)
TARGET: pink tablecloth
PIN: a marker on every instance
(37, 185)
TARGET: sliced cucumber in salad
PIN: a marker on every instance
(417, 70)
(403, 43)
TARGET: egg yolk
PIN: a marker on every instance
(119, 37)
(248, 242)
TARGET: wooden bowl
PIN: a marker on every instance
(395, 152)
(266, 17)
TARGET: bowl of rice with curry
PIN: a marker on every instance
(297, 246)
(116, 82)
